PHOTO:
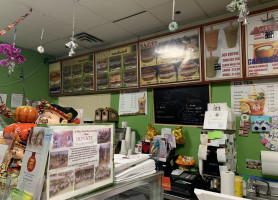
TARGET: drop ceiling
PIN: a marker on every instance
(107, 20)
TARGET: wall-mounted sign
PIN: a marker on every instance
(78, 74)
(117, 68)
(255, 97)
(262, 44)
(55, 78)
(171, 59)
(222, 51)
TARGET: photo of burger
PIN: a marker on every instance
(148, 74)
(54, 79)
(76, 83)
(130, 59)
(66, 84)
(147, 55)
(115, 62)
(102, 79)
(77, 69)
(130, 76)
(102, 64)
(66, 71)
(88, 82)
(167, 72)
(88, 67)
(188, 69)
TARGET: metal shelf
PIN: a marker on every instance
(155, 187)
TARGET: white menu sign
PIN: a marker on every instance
(255, 97)
(133, 102)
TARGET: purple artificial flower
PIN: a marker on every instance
(19, 59)
(4, 63)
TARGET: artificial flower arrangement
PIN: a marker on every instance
(13, 56)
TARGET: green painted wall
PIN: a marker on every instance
(247, 147)
(36, 78)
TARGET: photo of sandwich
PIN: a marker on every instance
(167, 72)
(77, 69)
(148, 74)
(130, 59)
(130, 76)
(88, 67)
(66, 84)
(115, 78)
(54, 79)
(115, 62)
(66, 71)
(88, 82)
(102, 79)
(188, 69)
(76, 83)
(147, 55)
(102, 64)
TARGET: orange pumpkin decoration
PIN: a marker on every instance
(21, 131)
(26, 114)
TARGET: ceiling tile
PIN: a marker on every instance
(110, 32)
(51, 25)
(190, 12)
(151, 3)
(111, 9)
(141, 24)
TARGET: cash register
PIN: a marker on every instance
(183, 183)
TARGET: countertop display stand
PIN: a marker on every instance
(154, 180)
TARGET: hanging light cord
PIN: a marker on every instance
(42, 35)
(173, 12)
(73, 19)
(14, 34)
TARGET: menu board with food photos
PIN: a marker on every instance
(55, 78)
(171, 59)
(222, 51)
(117, 68)
(262, 44)
(78, 74)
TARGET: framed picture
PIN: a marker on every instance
(171, 59)
(262, 44)
(55, 78)
(117, 68)
(222, 51)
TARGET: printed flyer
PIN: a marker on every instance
(222, 52)
(117, 68)
(31, 176)
(171, 59)
(80, 160)
(55, 78)
(78, 74)
(254, 97)
(262, 44)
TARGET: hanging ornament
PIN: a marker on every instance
(241, 6)
(72, 45)
(5, 30)
(40, 48)
(173, 26)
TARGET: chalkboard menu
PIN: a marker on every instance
(182, 105)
